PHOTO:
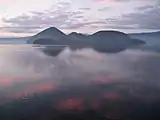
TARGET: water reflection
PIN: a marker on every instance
(81, 84)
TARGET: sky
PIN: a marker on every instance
(28, 17)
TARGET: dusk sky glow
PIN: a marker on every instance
(27, 17)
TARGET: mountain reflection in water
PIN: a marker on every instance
(78, 85)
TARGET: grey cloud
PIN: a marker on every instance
(104, 9)
(123, 0)
(111, 0)
(66, 20)
(147, 7)
(147, 18)
(86, 9)
(21, 29)
(57, 17)
(64, 3)
(83, 24)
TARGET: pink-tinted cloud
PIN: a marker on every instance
(8, 81)
(71, 103)
(106, 2)
(5, 1)
(112, 96)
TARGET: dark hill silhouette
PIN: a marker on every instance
(50, 33)
(104, 33)
(102, 41)
(75, 35)
(113, 41)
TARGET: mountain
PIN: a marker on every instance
(47, 34)
(75, 35)
(113, 41)
(102, 41)
(151, 38)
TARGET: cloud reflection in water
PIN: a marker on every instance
(95, 85)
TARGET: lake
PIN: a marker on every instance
(78, 84)
(13, 40)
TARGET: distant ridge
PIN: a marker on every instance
(151, 38)
(146, 33)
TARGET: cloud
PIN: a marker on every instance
(85, 9)
(62, 17)
(32, 24)
(84, 24)
(21, 29)
(147, 18)
(110, 2)
(147, 7)
(5, 1)
(106, 2)
(58, 17)
(104, 9)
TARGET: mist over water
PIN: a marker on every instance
(122, 85)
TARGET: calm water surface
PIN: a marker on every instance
(78, 85)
